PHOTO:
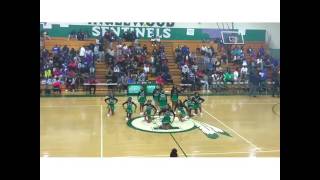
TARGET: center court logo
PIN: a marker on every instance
(210, 131)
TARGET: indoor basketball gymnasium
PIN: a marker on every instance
(116, 89)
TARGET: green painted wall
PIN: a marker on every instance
(255, 35)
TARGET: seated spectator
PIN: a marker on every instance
(244, 73)
(228, 77)
(56, 50)
(235, 75)
(159, 80)
(47, 73)
(261, 52)
(185, 69)
(46, 35)
(131, 80)
(141, 78)
(166, 77)
(82, 52)
(146, 68)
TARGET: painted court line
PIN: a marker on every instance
(249, 142)
(101, 131)
(199, 154)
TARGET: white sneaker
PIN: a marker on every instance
(141, 113)
(108, 115)
(127, 119)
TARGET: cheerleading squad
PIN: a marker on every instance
(181, 109)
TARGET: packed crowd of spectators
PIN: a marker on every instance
(67, 66)
(206, 70)
(129, 64)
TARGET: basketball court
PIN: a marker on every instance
(79, 127)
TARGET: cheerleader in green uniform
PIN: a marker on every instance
(142, 97)
(197, 102)
(189, 103)
(162, 100)
(148, 111)
(155, 95)
(129, 108)
(174, 96)
(166, 119)
(110, 101)
(182, 111)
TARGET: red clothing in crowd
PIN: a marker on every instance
(71, 74)
(200, 73)
(160, 80)
(72, 64)
(56, 84)
(93, 81)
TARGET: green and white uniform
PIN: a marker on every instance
(111, 103)
(155, 94)
(162, 100)
(142, 97)
(190, 104)
(197, 102)
(175, 96)
(129, 107)
(149, 108)
(166, 118)
(181, 111)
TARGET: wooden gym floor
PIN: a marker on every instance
(79, 127)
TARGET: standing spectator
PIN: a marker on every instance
(275, 82)
(204, 81)
(92, 85)
(124, 81)
(72, 34)
(92, 70)
(57, 86)
(253, 83)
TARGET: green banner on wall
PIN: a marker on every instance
(142, 32)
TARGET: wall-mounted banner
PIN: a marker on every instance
(141, 32)
(164, 30)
